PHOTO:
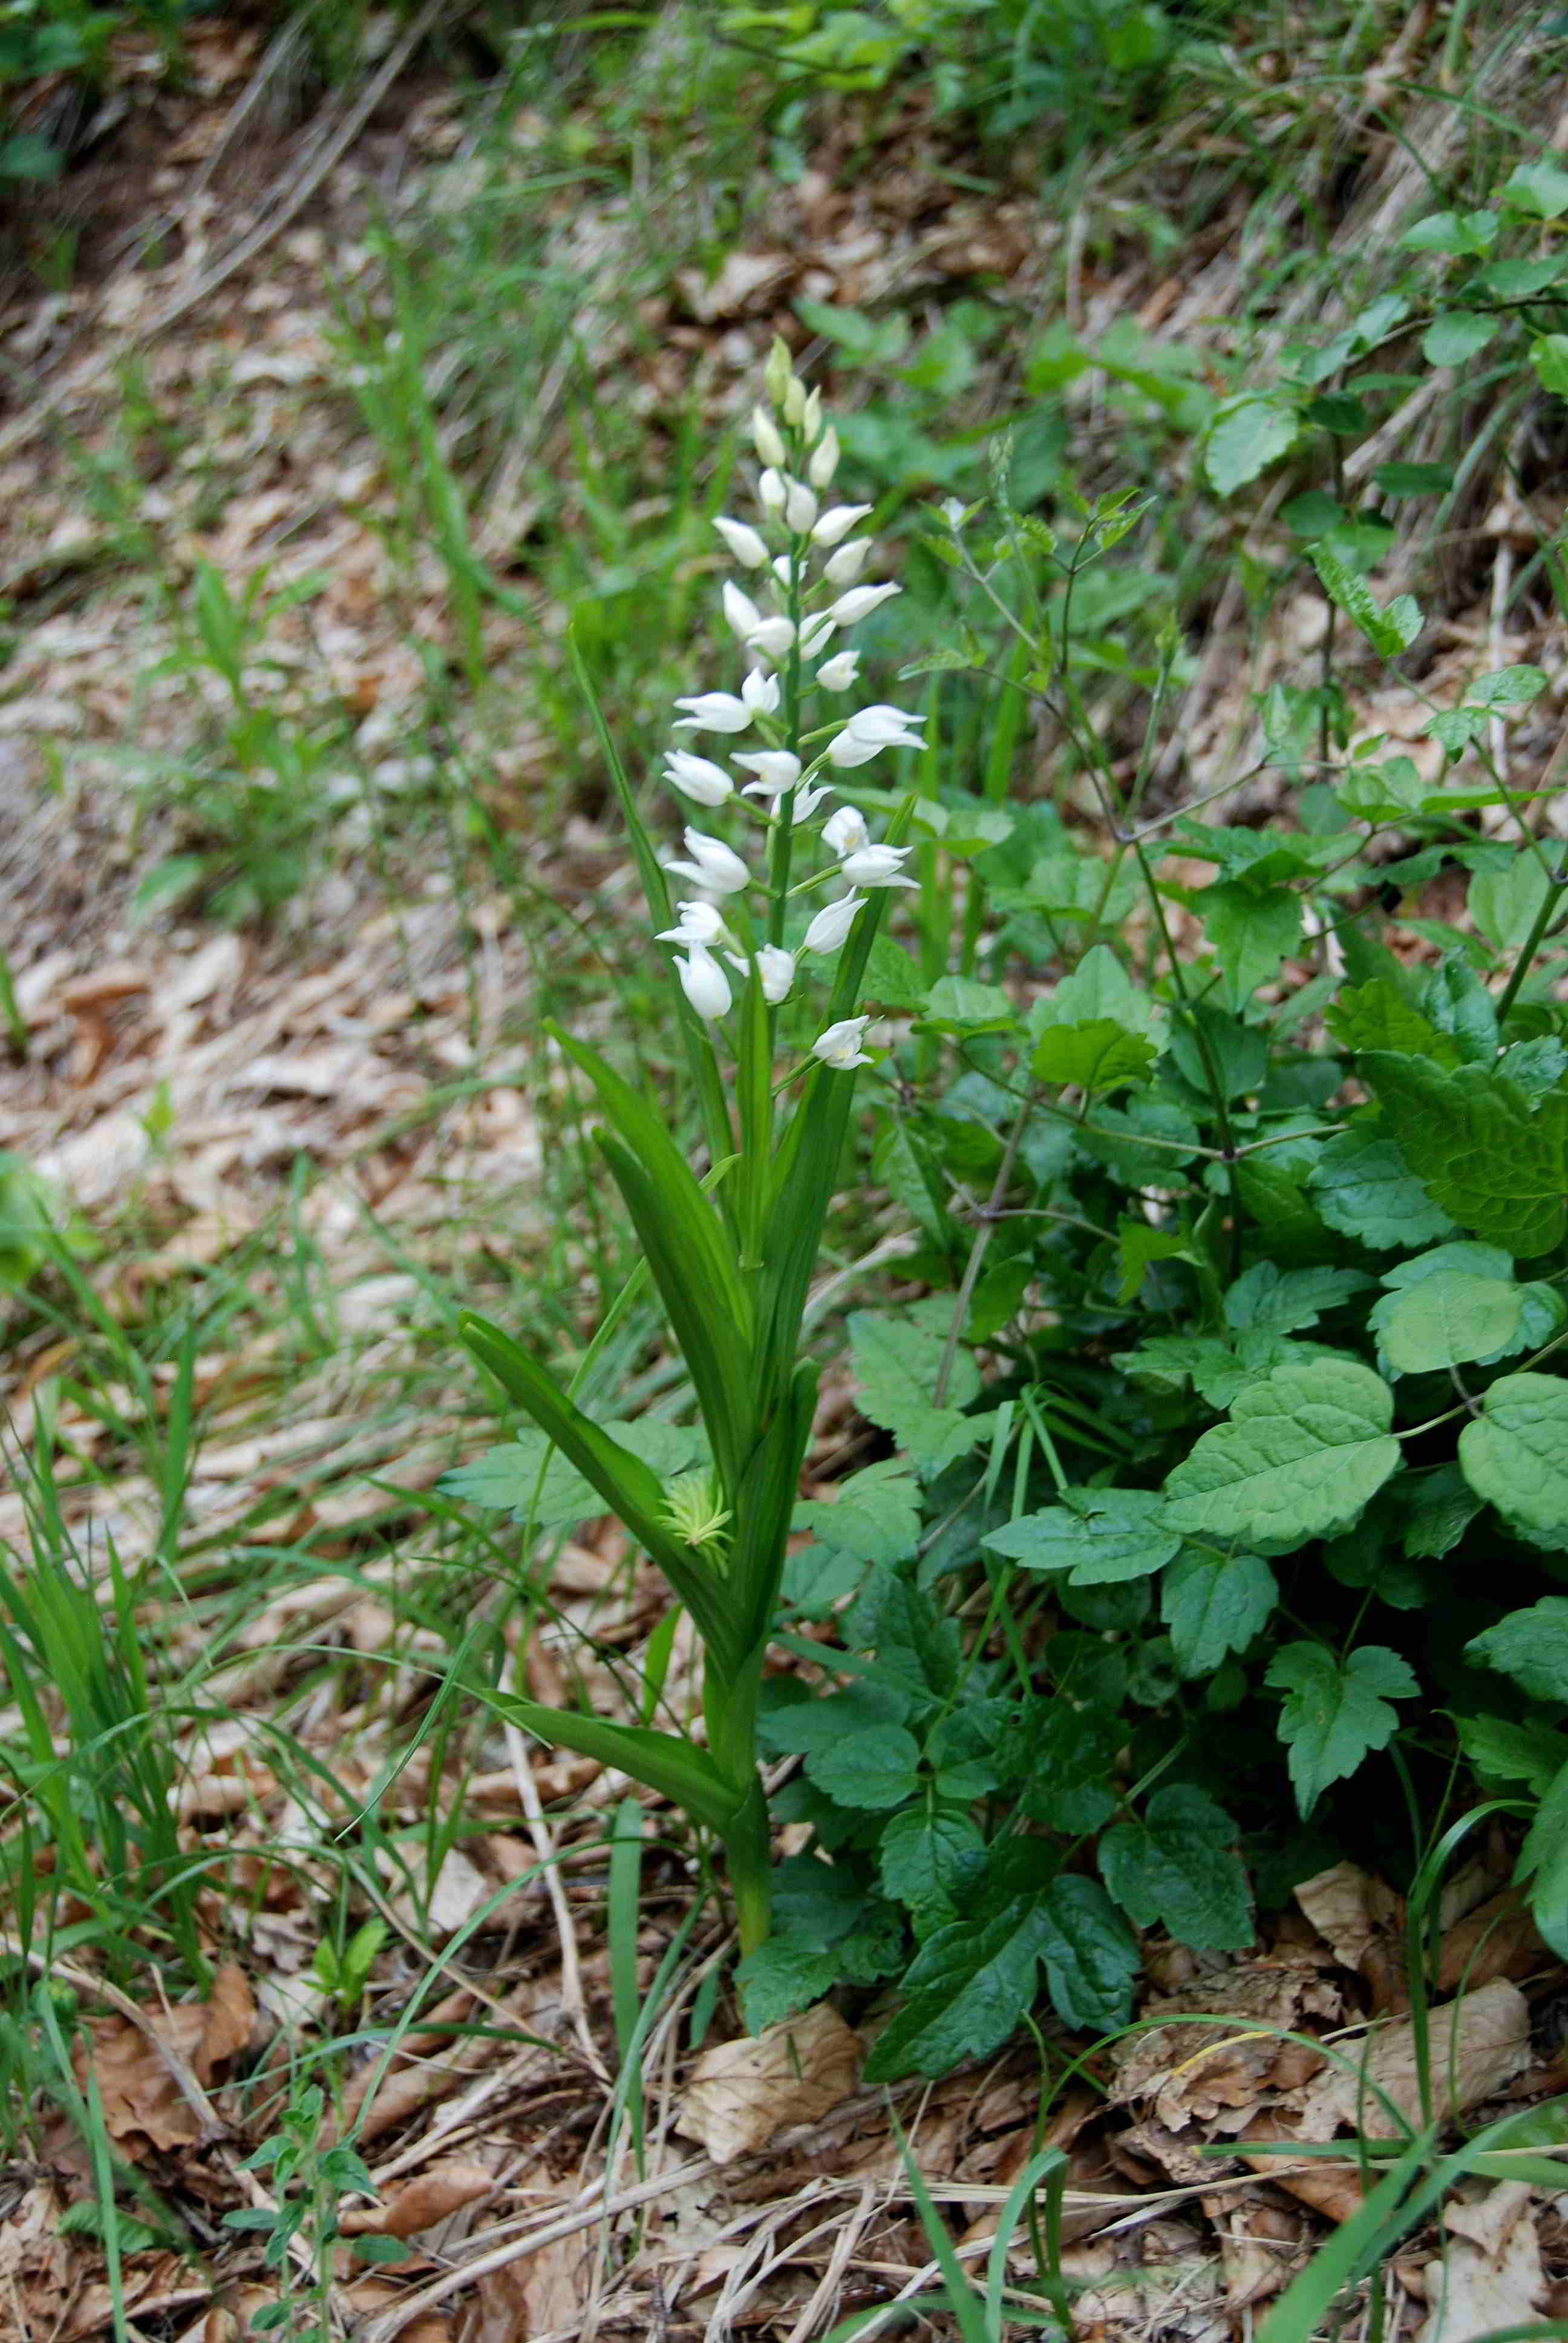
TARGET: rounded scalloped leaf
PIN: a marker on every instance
(1306, 1450)
(1446, 1320)
(1515, 1453)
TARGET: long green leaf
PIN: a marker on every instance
(765, 1506)
(679, 1193)
(626, 1483)
(1355, 2248)
(673, 1768)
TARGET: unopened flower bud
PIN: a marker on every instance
(704, 982)
(835, 524)
(766, 437)
(860, 601)
(772, 637)
(741, 614)
(831, 924)
(776, 375)
(824, 460)
(770, 488)
(842, 568)
(794, 401)
(799, 505)
(747, 546)
(811, 422)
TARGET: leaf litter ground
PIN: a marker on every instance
(176, 1076)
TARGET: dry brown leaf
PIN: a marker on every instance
(1478, 2044)
(1188, 2069)
(741, 2093)
(1498, 1938)
(1491, 2277)
(422, 2202)
(152, 2076)
(1363, 1924)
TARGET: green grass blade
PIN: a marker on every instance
(1355, 2248)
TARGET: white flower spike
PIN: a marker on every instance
(831, 924)
(876, 865)
(842, 1045)
(748, 546)
(704, 983)
(712, 864)
(714, 711)
(698, 777)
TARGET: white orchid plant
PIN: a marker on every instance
(762, 953)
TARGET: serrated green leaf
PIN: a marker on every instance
(874, 1515)
(1541, 189)
(1504, 904)
(1285, 1300)
(1499, 1169)
(1514, 1752)
(1214, 1606)
(505, 1478)
(1251, 933)
(1390, 632)
(1543, 1862)
(1468, 235)
(1246, 437)
(1549, 356)
(1363, 1187)
(1098, 987)
(1098, 1057)
(895, 1360)
(891, 979)
(928, 1858)
(1445, 1320)
(1334, 1714)
(965, 1991)
(1508, 687)
(1377, 1016)
(1091, 1957)
(1102, 1536)
(1457, 335)
(1304, 1451)
(1515, 1452)
(1177, 1867)
(959, 1004)
(877, 1767)
(1531, 1646)
(782, 1977)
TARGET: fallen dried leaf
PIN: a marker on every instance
(741, 2093)
(1491, 2277)
(421, 2203)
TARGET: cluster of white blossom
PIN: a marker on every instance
(804, 565)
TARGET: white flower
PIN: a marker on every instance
(811, 421)
(837, 522)
(860, 601)
(842, 568)
(839, 673)
(877, 866)
(766, 439)
(713, 864)
(704, 982)
(771, 490)
(824, 460)
(808, 801)
(714, 711)
(799, 505)
(784, 571)
(841, 1045)
(794, 399)
(845, 750)
(831, 924)
(772, 637)
(775, 967)
(759, 693)
(776, 770)
(816, 634)
(699, 924)
(750, 548)
(741, 614)
(846, 833)
(698, 777)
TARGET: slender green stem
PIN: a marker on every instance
(1542, 921)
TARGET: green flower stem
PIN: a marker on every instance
(729, 1703)
(1554, 896)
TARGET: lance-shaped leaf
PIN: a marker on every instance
(717, 1358)
(765, 1508)
(675, 1769)
(629, 1489)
